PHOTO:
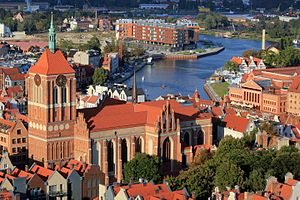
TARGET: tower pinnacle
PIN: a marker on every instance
(52, 36)
(134, 89)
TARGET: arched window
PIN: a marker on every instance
(110, 156)
(63, 95)
(138, 145)
(124, 152)
(166, 150)
(55, 95)
(186, 139)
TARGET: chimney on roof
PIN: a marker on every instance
(26, 168)
(246, 196)
(8, 171)
(59, 166)
(131, 181)
(84, 166)
(72, 166)
(156, 190)
(288, 176)
(141, 180)
(194, 195)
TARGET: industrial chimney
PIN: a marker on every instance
(263, 45)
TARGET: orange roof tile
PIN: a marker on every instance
(17, 77)
(231, 122)
(295, 86)
(10, 71)
(52, 63)
(43, 172)
(112, 116)
(20, 173)
(217, 111)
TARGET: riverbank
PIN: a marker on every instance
(194, 56)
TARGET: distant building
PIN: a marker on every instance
(288, 18)
(153, 6)
(90, 57)
(246, 65)
(111, 62)
(124, 93)
(5, 31)
(158, 32)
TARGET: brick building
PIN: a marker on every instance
(110, 134)
(266, 90)
(13, 139)
(156, 31)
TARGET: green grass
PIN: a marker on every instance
(221, 89)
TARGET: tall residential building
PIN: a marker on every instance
(156, 31)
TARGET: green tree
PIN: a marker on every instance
(257, 180)
(93, 43)
(142, 166)
(99, 76)
(229, 175)
(66, 45)
(231, 66)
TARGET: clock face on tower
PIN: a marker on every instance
(61, 80)
(37, 80)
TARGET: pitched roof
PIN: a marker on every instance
(20, 173)
(295, 86)
(127, 115)
(17, 77)
(52, 63)
(236, 123)
(10, 71)
(150, 191)
(217, 111)
(43, 172)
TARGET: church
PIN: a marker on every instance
(111, 134)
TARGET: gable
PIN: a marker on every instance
(251, 84)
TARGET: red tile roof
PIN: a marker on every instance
(91, 99)
(10, 71)
(43, 172)
(236, 123)
(151, 191)
(17, 77)
(25, 46)
(230, 111)
(131, 115)
(258, 197)
(295, 86)
(217, 111)
(20, 173)
(11, 91)
(52, 64)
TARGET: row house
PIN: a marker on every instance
(288, 190)
(72, 180)
(14, 140)
(89, 102)
(13, 98)
(143, 190)
(4, 72)
(247, 65)
(124, 93)
(111, 62)
(230, 127)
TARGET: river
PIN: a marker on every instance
(185, 76)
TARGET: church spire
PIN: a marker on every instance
(52, 36)
(134, 90)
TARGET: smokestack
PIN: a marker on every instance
(26, 168)
(263, 46)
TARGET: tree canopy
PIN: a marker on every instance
(235, 163)
(142, 166)
(99, 76)
(231, 66)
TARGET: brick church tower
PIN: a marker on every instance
(51, 89)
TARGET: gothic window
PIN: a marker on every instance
(55, 95)
(167, 150)
(110, 156)
(64, 95)
(138, 145)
